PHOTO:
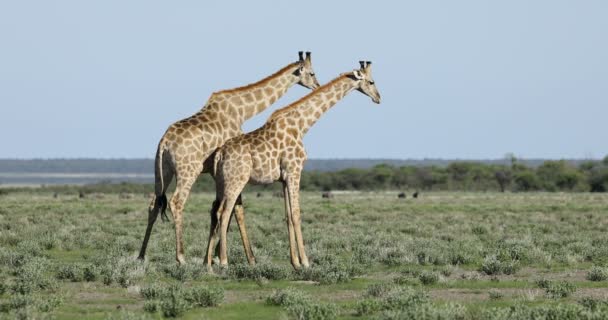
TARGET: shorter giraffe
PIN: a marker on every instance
(275, 152)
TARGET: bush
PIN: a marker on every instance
(267, 271)
(31, 277)
(379, 290)
(560, 289)
(492, 265)
(495, 295)
(428, 277)
(301, 306)
(526, 181)
(174, 300)
(427, 311)
(70, 272)
(328, 274)
(153, 291)
(174, 303)
(151, 306)
(205, 296)
(90, 273)
(597, 274)
(557, 312)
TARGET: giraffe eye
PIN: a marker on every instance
(312, 74)
(371, 82)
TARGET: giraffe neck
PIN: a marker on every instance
(245, 102)
(311, 107)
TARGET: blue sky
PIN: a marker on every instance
(459, 79)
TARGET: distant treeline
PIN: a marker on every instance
(146, 166)
(551, 175)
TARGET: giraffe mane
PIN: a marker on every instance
(263, 81)
(293, 105)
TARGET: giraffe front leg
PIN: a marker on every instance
(293, 184)
(295, 260)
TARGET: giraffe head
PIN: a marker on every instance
(366, 84)
(305, 73)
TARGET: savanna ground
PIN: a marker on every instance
(441, 256)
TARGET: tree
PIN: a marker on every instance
(503, 178)
(598, 179)
(526, 181)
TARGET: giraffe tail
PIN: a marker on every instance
(161, 198)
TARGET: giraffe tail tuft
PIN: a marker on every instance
(161, 202)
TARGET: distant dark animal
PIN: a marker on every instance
(415, 195)
(81, 195)
(258, 195)
(55, 195)
(327, 195)
(402, 195)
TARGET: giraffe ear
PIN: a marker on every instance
(357, 74)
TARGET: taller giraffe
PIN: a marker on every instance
(275, 152)
(188, 143)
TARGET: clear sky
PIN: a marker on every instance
(459, 79)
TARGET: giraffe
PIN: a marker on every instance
(187, 144)
(275, 152)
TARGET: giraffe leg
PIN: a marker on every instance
(295, 260)
(239, 212)
(293, 185)
(225, 211)
(178, 201)
(157, 205)
(213, 232)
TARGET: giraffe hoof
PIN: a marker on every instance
(210, 269)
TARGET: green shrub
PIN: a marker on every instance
(495, 295)
(153, 291)
(18, 301)
(48, 303)
(557, 312)
(492, 265)
(70, 272)
(31, 277)
(542, 283)
(302, 306)
(427, 311)
(90, 273)
(205, 296)
(151, 306)
(396, 299)
(266, 271)
(428, 277)
(560, 289)
(597, 274)
(379, 289)
(328, 274)
(174, 304)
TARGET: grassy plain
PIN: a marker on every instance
(441, 256)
